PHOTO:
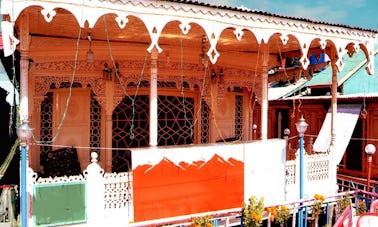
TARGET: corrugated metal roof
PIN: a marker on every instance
(324, 78)
(269, 14)
(277, 92)
(362, 83)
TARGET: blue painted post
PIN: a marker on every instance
(23, 176)
(327, 213)
(301, 177)
(215, 223)
(305, 216)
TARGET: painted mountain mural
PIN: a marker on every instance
(168, 189)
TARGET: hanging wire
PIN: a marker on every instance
(68, 100)
(363, 111)
(9, 158)
(252, 96)
(203, 83)
(13, 108)
(182, 87)
(134, 97)
(280, 54)
(13, 111)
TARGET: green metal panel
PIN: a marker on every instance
(361, 82)
(325, 77)
(59, 203)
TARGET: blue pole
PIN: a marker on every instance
(24, 210)
(301, 170)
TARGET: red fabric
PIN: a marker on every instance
(166, 190)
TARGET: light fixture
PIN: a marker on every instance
(217, 77)
(213, 76)
(286, 132)
(90, 58)
(254, 128)
(107, 72)
(301, 126)
(369, 150)
(24, 134)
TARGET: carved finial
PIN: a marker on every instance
(94, 157)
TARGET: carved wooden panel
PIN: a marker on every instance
(73, 126)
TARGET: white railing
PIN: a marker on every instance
(109, 196)
(317, 180)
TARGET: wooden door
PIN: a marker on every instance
(372, 130)
(75, 123)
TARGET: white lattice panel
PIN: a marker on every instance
(317, 167)
(290, 172)
(118, 190)
(64, 179)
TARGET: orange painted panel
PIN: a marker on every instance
(167, 190)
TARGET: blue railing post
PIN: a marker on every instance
(327, 212)
(215, 223)
(23, 176)
(301, 179)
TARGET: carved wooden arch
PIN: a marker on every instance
(43, 83)
(368, 49)
(212, 20)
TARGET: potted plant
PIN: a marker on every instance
(283, 214)
(253, 212)
(342, 203)
(317, 208)
(203, 221)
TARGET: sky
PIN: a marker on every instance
(356, 13)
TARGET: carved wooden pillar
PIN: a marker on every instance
(153, 99)
(107, 155)
(333, 167)
(24, 67)
(333, 100)
(263, 71)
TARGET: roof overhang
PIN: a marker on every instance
(165, 25)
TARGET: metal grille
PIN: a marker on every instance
(129, 132)
(175, 126)
(46, 125)
(46, 121)
(205, 122)
(175, 120)
(238, 117)
(95, 125)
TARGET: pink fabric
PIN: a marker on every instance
(1, 42)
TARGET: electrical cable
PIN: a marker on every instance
(132, 135)
(68, 100)
(182, 87)
(9, 158)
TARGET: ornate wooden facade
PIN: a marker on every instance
(215, 58)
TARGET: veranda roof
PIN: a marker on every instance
(353, 66)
